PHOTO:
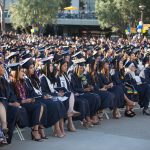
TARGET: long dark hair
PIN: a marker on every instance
(50, 75)
(34, 79)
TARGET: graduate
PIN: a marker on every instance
(54, 110)
(141, 87)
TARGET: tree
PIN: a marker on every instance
(25, 13)
(65, 3)
(2, 8)
(119, 13)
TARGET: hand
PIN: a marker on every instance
(16, 104)
(91, 87)
(29, 100)
(46, 97)
(76, 94)
(61, 93)
(103, 89)
(87, 89)
(111, 85)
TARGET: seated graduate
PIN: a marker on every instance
(140, 86)
(145, 73)
(9, 108)
(64, 82)
(107, 97)
(55, 112)
(75, 100)
(118, 74)
(107, 82)
(81, 87)
(34, 109)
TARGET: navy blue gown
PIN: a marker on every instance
(116, 90)
(93, 99)
(14, 114)
(53, 109)
(143, 90)
(107, 98)
(81, 104)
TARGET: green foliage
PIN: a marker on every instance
(27, 12)
(119, 13)
(65, 3)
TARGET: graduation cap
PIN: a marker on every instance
(129, 64)
(80, 62)
(77, 54)
(146, 59)
(47, 60)
(27, 63)
(14, 66)
(13, 55)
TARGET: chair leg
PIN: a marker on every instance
(20, 133)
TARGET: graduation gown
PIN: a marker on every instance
(93, 100)
(107, 98)
(116, 90)
(81, 104)
(13, 113)
(142, 89)
(53, 109)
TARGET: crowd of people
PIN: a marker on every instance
(56, 80)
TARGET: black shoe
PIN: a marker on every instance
(34, 138)
(128, 113)
(146, 112)
(133, 112)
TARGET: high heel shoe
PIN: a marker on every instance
(43, 137)
(146, 112)
(5, 132)
(58, 134)
(128, 113)
(71, 128)
(34, 138)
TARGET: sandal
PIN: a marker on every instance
(43, 137)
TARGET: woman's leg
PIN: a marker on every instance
(61, 124)
(57, 130)
(71, 111)
(3, 118)
(70, 125)
(35, 129)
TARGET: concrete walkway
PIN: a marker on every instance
(123, 134)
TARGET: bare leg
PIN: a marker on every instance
(70, 125)
(71, 111)
(57, 130)
(61, 124)
(3, 117)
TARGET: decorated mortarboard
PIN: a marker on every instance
(80, 62)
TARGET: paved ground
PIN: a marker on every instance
(123, 134)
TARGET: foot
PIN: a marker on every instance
(71, 128)
(146, 112)
(36, 136)
(41, 132)
(58, 133)
(73, 113)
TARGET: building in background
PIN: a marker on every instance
(82, 21)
